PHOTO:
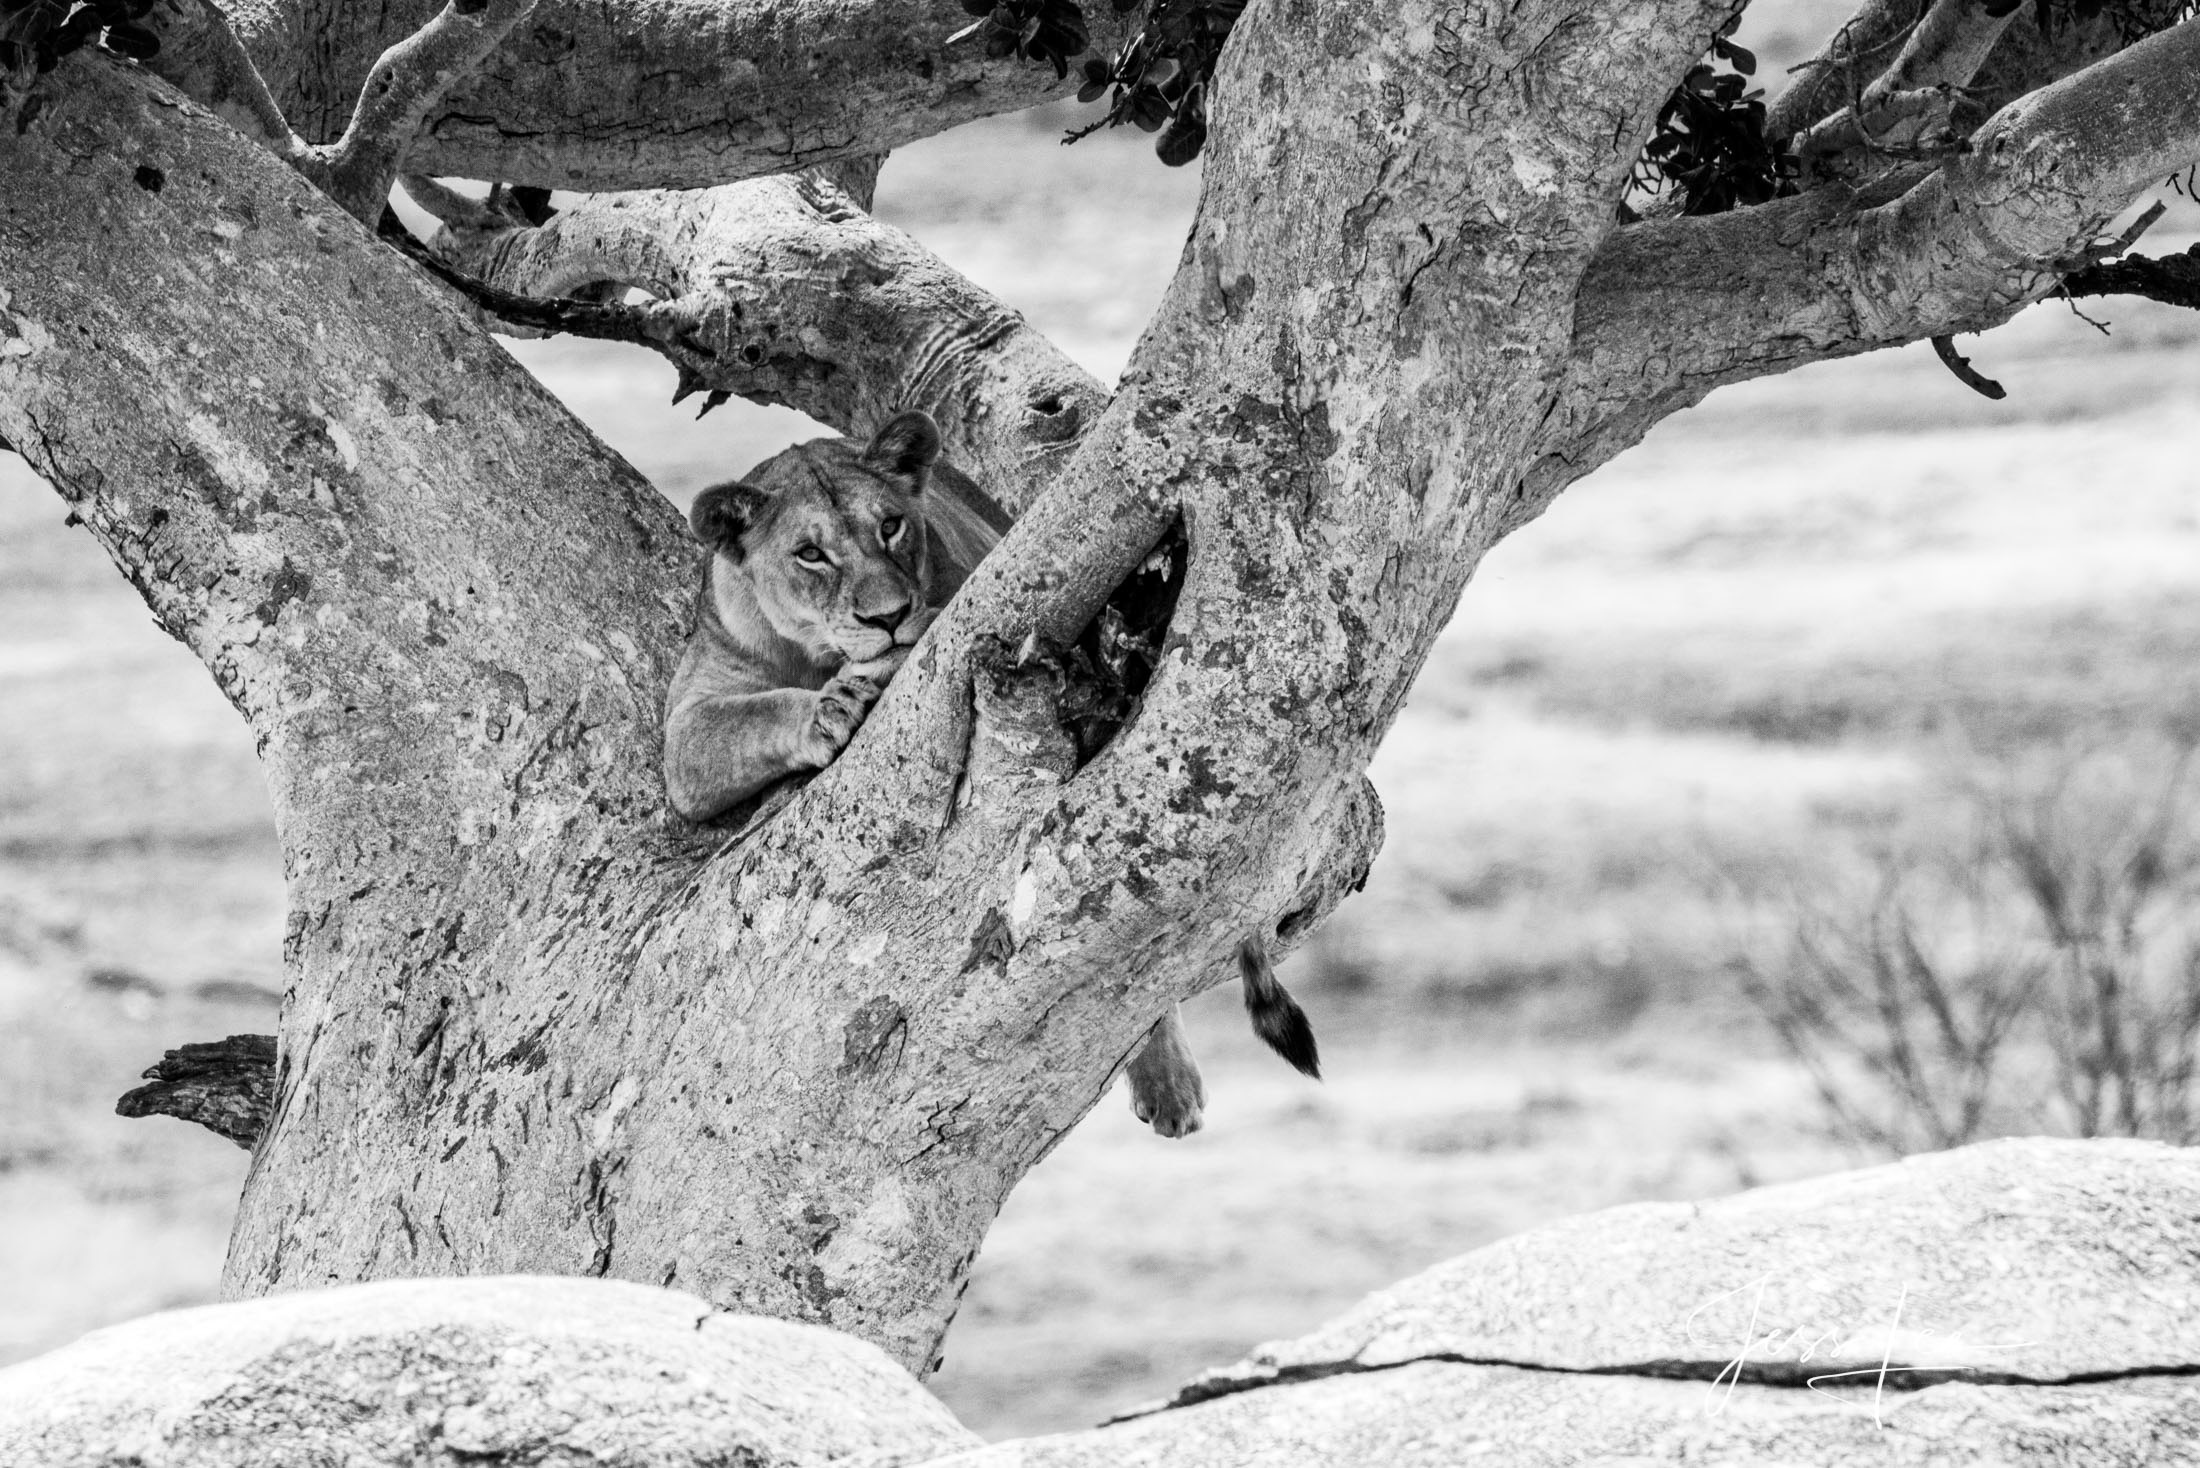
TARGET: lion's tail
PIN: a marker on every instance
(1276, 1016)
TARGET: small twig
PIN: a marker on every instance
(1985, 387)
(408, 81)
(2072, 302)
(2123, 242)
(226, 1086)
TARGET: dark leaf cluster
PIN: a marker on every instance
(36, 34)
(1159, 79)
(1710, 143)
(1052, 31)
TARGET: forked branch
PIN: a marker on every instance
(202, 56)
(405, 85)
(1912, 103)
(1843, 67)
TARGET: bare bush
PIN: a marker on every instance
(2033, 965)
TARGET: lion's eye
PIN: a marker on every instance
(889, 529)
(809, 555)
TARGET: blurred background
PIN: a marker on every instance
(1807, 786)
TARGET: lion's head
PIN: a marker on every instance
(831, 539)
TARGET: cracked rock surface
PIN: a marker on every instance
(2027, 1301)
(434, 1372)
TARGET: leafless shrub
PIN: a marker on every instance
(2032, 966)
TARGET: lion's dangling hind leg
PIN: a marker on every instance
(1276, 1016)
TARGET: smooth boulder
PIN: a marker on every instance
(433, 1372)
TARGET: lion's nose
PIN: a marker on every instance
(889, 619)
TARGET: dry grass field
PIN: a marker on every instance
(1792, 621)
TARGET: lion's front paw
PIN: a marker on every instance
(841, 707)
(879, 670)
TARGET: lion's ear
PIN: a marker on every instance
(722, 513)
(908, 444)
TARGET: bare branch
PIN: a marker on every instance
(1913, 102)
(782, 290)
(408, 82)
(1944, 347)
(226, 1086)
(1843, 67)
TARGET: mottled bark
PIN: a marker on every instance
(534, 1025)
(660, 93)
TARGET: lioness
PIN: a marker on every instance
(828, 562)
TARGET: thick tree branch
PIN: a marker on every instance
(1802, 279)
(782, 290)
(661, 93)
(1223, 393)
(281, 539)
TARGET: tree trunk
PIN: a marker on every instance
(535, 1024)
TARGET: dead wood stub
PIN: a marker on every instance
(226, 1086)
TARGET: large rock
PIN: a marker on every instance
(427, 1373)
(2032, 1260)
(2022, 1302)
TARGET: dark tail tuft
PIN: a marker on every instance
(1276, 1016)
